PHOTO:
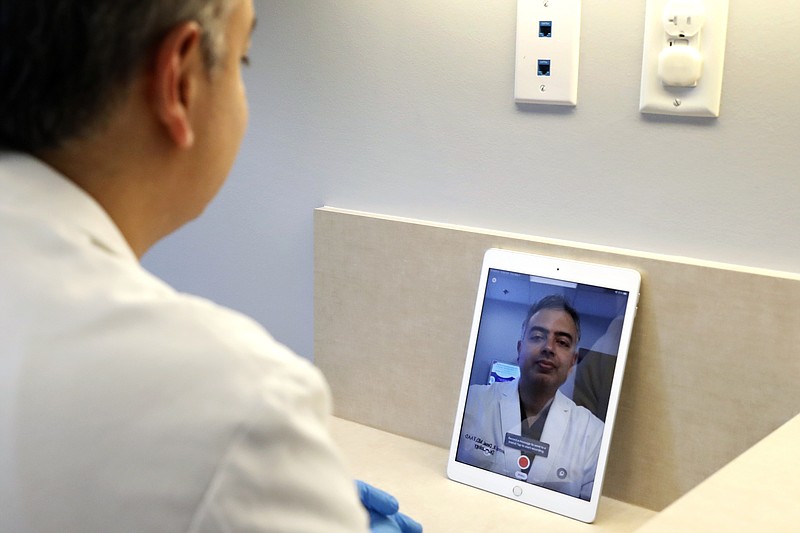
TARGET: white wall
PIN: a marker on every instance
(406, 108)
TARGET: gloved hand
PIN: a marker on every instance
(383, 511)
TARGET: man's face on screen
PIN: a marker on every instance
(546, 352)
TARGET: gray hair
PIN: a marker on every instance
(558, 302)
(65, 63)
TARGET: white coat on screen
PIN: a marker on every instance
(572, 432)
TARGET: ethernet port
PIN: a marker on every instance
(543, 67)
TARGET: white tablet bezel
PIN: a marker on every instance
(609, 277)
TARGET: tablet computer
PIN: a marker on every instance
(542, 378)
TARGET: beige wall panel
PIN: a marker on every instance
(713, 366)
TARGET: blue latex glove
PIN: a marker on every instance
(384, 515)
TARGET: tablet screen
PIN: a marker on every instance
(547, 351)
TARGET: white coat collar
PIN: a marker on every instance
(30, 186)
(554, 429)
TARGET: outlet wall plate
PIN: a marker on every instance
(547, 51)
(703, 99)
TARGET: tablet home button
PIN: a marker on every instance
(517, 491)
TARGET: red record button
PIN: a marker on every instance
(523, 462)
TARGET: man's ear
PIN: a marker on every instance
(178, 62)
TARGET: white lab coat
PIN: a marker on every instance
(572, 432)
(126, 406)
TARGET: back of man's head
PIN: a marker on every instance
(65, 63)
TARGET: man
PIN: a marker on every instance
(124, 405)
(527, 428)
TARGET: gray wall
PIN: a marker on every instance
(406, 108)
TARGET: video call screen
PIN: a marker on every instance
(493, 437)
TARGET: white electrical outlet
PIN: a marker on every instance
(684, 53)
(548, 45)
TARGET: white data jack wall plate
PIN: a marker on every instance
(548, 46)
(677, 55)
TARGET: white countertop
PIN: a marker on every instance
(757, 491)
(415, 473)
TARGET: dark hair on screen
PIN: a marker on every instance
(554, 301)
(65, 63)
